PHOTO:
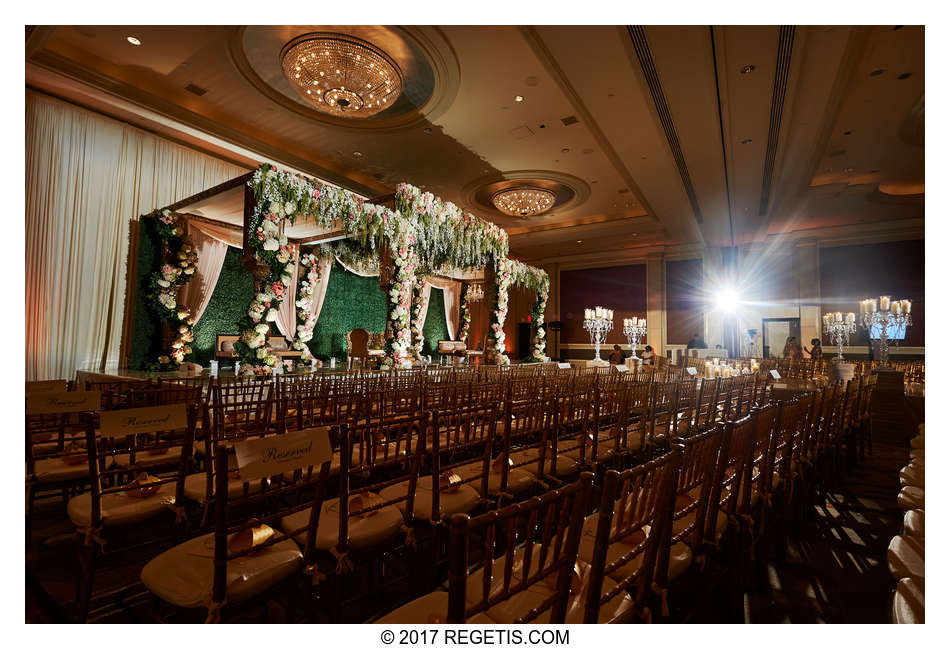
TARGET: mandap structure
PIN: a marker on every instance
(290, 227)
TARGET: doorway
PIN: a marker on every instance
(775, 331)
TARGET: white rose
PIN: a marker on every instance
(283, 256)
(283, 240)
(262, 328)
(261, 352)
(276, 208)
(290, 208)
(285, 280)
(271, 244)
(269, 227)
(163, 283)
(271, 315)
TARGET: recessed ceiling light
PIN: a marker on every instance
(748, 140)
(427, 129)
(580, 241)
(848, 170)
(133, 40)
(746, 69)
(565, 150)
(357, 154)
(519, 98)
(633, 234)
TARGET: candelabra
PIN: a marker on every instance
(634, 329)
(839, 328)
(598, 322)
(886, 314)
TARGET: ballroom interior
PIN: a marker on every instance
(600, 324)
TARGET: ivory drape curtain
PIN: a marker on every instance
(320, 292)
(451, 293)
(287, 314)
(211, 242)
(87, 177)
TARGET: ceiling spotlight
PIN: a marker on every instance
(519, 98)
(746, 69)
(357, 154)
(748, 140)
(133, 40)
(580, 241)
(565, 150)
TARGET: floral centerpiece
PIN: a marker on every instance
(398, 333)
(495, 349)
(165, 282)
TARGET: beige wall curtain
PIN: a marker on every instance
(320, 292)
(287, 314)
(451, 292)
(87, 176)
(211, 241)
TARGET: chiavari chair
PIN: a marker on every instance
(123, 499)
(246, 557)
(626, 543)
(515, 564)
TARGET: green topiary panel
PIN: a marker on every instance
(352, 302)
(146, 327)
(434, 328)
(228, 302)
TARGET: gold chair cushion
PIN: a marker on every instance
(171, 455)
(363, 531)
(120, 508)
(183, 575)
(905, 557)
(914, 523)
(681, 556)
(518, 479)
(461, 500)
(528, 458)
(54, 469)
(907, 606)
(195, 486)
(428, 609)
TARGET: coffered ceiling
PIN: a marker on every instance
(656, 136)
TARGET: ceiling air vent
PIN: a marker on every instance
(198, 90)
(567, 121)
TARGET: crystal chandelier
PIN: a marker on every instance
(475, 293)
(341, 75)
(524, 201)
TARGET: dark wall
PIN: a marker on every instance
(621, 288)
(849, 274)
(684, 307)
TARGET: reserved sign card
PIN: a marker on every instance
(56, 385)
(691, 371)
(775, 374)
(119, 423)
(267, 456)
(564, 366)
(49, 403)
(620, 368)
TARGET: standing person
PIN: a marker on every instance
(696, 343)
(616, 356)
(648, 357)
(792, 349)
(815, 351)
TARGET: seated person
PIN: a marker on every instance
(616, 356)
(815, 351)
(648, 356)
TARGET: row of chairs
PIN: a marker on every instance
(409, 455)
(905, 553)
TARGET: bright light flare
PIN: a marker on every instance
(727, 300)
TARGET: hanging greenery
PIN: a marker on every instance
(447, 234)
(165, 282)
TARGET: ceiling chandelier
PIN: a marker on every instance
(524, 201)
(341, 75)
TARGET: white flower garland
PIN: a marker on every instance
(167, 280)
(418, 340)
(306, 320)
(398, 332)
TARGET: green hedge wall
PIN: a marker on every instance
(229, 301)
(351, 302)
(146, 327)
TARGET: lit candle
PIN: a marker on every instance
(837, 316)
(905, 306)
(885, 303)
(895, 307)
(643, 321)
(872, 305)
(850, 318)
